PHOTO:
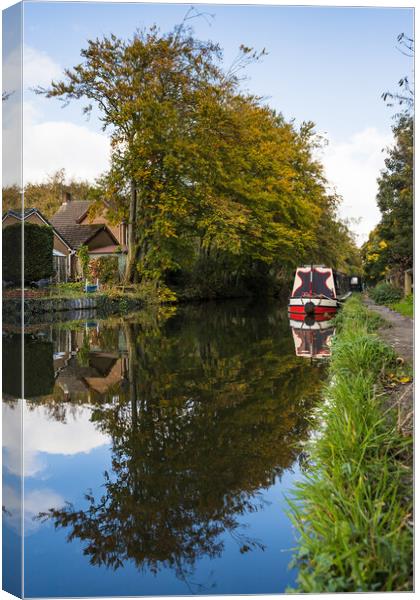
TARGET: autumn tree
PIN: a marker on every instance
(203, 173)
(374, 256)
(146, 91)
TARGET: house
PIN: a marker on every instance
(61, 248)
(75, 225)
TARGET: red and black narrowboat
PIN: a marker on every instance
(317, 291)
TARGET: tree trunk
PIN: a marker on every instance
(130, 266)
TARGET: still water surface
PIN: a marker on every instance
(158, 451)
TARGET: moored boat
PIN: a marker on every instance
(317, 291)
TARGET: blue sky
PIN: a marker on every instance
(325, 64)
(329, 65)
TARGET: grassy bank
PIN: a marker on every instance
(353, 510)
(405, 306)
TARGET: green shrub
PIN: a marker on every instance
(83, 256)
(105, 268)
(38, 263)
(385, 293)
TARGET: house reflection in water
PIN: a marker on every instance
(313, 337)
(78, 365)
(85, 368)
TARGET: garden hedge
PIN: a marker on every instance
(38, 263)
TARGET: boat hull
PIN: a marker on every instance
(320, 308)
(295, 303)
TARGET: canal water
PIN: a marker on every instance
(159, 448)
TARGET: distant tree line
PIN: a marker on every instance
(46, 196)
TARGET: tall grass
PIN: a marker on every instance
(353, 509)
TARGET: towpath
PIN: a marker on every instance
(400, 335)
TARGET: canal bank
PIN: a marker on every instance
(353, 509)
(398, 332)
(55, 309)
(70, 303)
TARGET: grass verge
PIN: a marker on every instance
(353, 509)
(405, 306)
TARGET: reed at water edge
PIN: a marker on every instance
(353, 509)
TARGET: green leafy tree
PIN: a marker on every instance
(395, 197)
(146, 90)
(405, 95)
(389, 250)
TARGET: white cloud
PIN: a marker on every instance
(45, 435)
(12, 72)
(352, 168)
(36, 501)
(39, 68)
(48, 145)
(53, 145)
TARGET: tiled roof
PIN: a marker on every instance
(76, 235)
(70, 213)
(17, 212)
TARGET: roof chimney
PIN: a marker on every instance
(66, 197)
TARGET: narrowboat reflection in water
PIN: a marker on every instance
(313, 336)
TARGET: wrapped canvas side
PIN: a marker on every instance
(12, 329)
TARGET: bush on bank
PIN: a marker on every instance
(353, 509)
(385, 293)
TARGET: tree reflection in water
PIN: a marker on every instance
(209, 412)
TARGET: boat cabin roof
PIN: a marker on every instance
(314, 280)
